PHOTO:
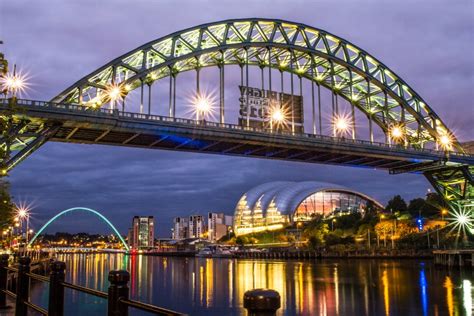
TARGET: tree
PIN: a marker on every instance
(433, 205)
(396, 204)
(242, 240)
(6, 205)
(370, 209)
(415, 206)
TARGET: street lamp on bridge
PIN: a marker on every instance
(14, 82)
(446, 141)
(278, 117)
(341, 125)
(114, 93)
(203, 105)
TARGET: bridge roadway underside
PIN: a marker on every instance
(137, 130)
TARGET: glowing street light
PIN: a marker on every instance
(396, 133)
(23, 212)
(203, 105)
(341, 125)
(114, 93)
(462, 219)
(444, 212)
(278, 116)
(14, 82)
(446, 141)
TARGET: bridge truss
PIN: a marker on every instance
(278, 48)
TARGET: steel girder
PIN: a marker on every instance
(20, 136)
(312, 53)
(455, 184)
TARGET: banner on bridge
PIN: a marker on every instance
(262, 103)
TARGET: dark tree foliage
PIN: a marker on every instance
(416, 206)
(371, 209)
(6, 205)
(433, 205)
(396, 204)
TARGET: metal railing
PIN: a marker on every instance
(118, 301)
(102, 112)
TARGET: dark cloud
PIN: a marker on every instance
(429, 44)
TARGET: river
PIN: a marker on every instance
(200, 286)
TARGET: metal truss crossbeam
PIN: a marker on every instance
(308, 52)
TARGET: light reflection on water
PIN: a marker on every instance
(200, 286)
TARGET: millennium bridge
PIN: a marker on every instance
(303, 95)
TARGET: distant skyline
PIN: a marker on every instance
(429, 44)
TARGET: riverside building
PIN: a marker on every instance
(142, 233)
(218, 225)
(188, 227)
(273, 205)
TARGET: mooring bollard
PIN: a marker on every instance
(56, 288)
(118, 289)
(22, 286)
(262, 302)
(3, 280)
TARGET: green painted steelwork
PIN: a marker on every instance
(308, 52)
(80, 209)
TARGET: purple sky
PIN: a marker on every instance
(428, 43)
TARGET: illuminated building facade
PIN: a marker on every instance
(272, 205)
(192, 226)
(143, 232)
(180, 228)
(218, 225)
(197, 226)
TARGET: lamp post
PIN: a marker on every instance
(277, 117)
(203, 105)
(24, 213)
(298, 226)
(332, 224)
(444, 212)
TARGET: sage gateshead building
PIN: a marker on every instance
(273, 205)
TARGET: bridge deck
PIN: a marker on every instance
(84, 125)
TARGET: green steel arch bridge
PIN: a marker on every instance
(359, 112)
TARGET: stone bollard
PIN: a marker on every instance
(56, 288)
(262, 302)
(118, 289)
(3, 280)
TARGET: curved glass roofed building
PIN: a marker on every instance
(272, 205)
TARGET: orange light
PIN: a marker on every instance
(397, 132)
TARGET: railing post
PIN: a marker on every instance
(118, 289)
(56, 288)
(3, 280)
(22, 286)
(262, 302)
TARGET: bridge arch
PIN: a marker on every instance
(314, 54)
(102, 217)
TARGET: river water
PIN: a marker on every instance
(200, 286)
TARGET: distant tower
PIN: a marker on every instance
(143, 232)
